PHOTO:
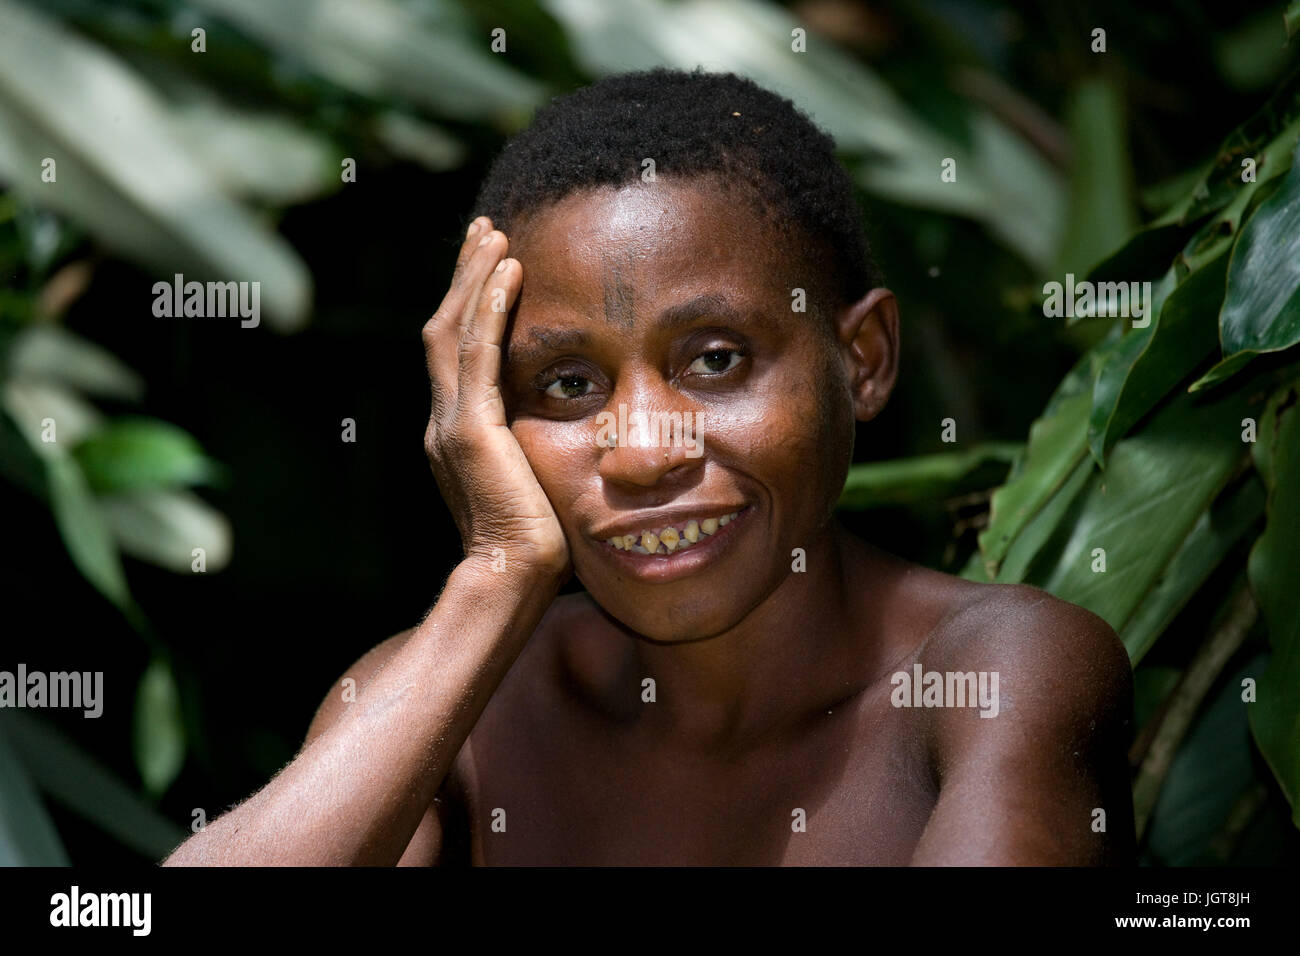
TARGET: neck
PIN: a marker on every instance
(791, 653)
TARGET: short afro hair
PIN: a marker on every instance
(692, 124)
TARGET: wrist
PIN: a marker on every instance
(498, 567)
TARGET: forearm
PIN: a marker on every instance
(356, 794)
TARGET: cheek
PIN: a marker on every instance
(798, 436)
(560, 454)
(795, 416)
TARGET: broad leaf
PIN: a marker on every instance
(1057, 442)
(136, 453)
(84, 530)
(1150, 361)
(164, 527)
(1275, 716)
(1208, 774)
(926, 477)
(122, 171)
(381, 48)
(1261, 311)
(81, 783)
(1100, 213)
(1256, 139)
(27, 836)
(1043, 525)
(1209, 542)
(158, 734)
(51, 353)
(1140, 509)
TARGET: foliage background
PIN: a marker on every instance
(225, 164)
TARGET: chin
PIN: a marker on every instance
(688, 620)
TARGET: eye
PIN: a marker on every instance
(716, 361)
(568, 387)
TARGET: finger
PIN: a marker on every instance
(479, 351)
(476, 231)
(442, 332)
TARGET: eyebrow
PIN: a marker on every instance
(542, 341)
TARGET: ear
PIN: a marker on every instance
(868, 337)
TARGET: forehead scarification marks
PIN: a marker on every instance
(620, 304)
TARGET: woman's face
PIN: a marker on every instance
(673, 301)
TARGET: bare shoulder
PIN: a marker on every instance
(1047, 781)
(1051, 650)
(1060, 680)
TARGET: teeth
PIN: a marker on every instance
(670, 539)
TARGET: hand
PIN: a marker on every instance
(481, 470)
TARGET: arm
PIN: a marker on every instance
(357, 791)
(1023, 787)
(360, 787)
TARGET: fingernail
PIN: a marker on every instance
(485, 240)
(501, 266)
(473, 228)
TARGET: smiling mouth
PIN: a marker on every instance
(672, 538)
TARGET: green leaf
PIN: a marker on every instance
(1267, 137)
(264, 156)
(51, 353)
(1100, 212)
(1204, 549)
(158, 733)
(122, 170)
(137, 453)
(1151, 687)
(164, 528)
(84, 532)
(1057, 442)
(1261, 311)
(76, 513)
(82, 784)
(1210, 770)
(1275, 717)
(926, 477)
(1141, 508)
(30, 404)
(1150, 361)
(1222, 371)
(381, 49)
(419, 142)
(27, 835)
(1291, 18)
(1043, 525)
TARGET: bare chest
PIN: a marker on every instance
(848, 788)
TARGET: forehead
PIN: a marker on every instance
(623, 252)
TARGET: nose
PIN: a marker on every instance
(648, 434)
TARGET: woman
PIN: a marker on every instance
(742, 682)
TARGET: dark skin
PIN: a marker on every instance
(772, 686)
